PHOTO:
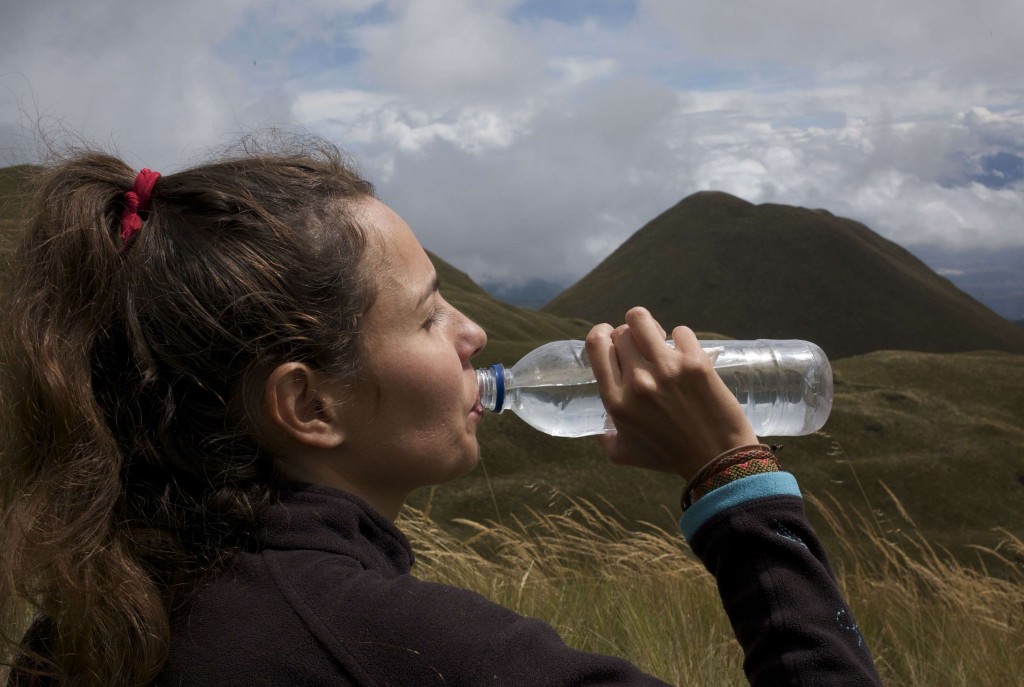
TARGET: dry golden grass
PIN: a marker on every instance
(604, 588)
(931, 619)
(642, 595)
(928, 619)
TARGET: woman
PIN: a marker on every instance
(221, 386)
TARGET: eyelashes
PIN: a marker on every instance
(432, 317)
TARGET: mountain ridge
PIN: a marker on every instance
(719, 263)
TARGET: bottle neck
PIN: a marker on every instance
(494, 382)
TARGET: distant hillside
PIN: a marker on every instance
(512, 331)
(531, 294)
(14, 187)
(992, 276)
(718, 263)
(14, 184)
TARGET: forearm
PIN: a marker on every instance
(777, 585)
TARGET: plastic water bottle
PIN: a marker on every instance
(784, 386)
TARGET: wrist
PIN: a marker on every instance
(729, 466)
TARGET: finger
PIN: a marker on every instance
(687, 343)
(621, 450)
(603, 357)
(685, 338)
(647, 333)
(624, 349)
(614, 449)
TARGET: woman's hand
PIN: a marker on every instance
(671, 410)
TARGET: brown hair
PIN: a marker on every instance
(130, 462)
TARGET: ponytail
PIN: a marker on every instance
(129, 462)
(61, 464)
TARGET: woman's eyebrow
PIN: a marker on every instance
(431, 290)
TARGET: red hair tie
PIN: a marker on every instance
(136, 201)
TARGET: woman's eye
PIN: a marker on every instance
(432, 318)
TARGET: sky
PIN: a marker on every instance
(527, 139)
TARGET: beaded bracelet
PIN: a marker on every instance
(734, 464)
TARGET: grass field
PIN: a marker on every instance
(642, 595)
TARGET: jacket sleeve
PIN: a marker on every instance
(773, 576)
(405, 631)
(777, 585)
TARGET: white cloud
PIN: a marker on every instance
(451, 51)
(146, 81)
(152, 80)
(578, 179)
(954, 40)
(893, 176)
(741, 177)
(520, 147)
(369, 121)
(574, 72)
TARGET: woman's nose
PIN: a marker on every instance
(474, 336)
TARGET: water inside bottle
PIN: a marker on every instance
(775, 405)
(779, 404)
(562, 410)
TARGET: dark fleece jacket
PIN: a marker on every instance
(328, 599)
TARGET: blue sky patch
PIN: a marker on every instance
(1000, 170)
(262, 44)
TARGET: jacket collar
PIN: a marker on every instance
(315, 517)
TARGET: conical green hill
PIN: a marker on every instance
(715, 262)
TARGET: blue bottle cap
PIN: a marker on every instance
(499, 386)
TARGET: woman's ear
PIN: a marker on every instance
(299, 407)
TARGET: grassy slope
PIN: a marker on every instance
(642, 595)
(14, 185)
(512, 331)
(944, 432)
(718, 263)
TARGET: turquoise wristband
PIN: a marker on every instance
(733, 494)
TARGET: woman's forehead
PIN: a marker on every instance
(400, 267)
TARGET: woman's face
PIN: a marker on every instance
(413, 420)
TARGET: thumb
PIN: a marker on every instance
(612, 445)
